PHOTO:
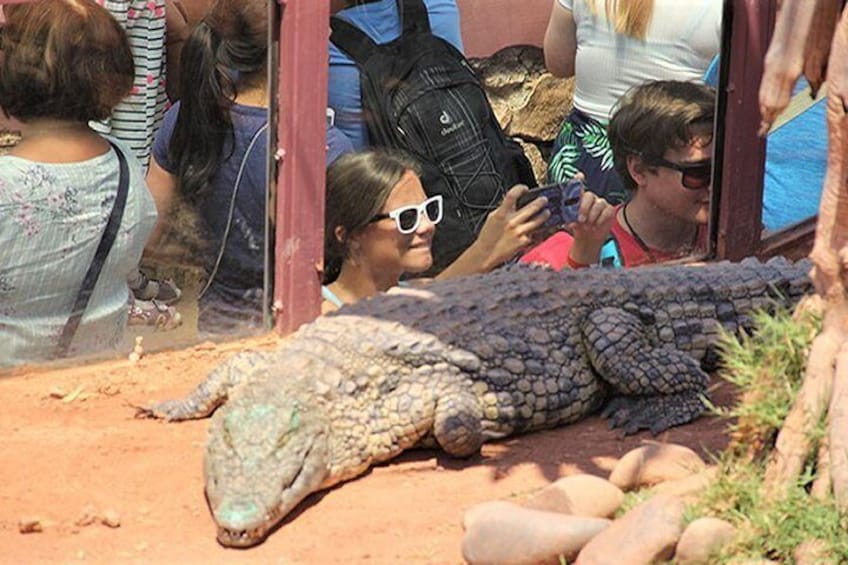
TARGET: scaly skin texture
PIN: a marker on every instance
(461, 362)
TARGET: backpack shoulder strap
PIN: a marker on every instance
(351, 40)
(413, 14)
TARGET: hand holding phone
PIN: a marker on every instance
(563, 201)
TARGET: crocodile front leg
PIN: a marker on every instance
(457, 425)
(655, 387)
(209, 394)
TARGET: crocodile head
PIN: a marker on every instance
(265, 453)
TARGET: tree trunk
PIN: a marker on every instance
(825, 386)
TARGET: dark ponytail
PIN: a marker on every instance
(228, 45)
(203, 124)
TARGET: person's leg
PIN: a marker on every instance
(153, 313)
(144, 288)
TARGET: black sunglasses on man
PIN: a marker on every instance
(695, 176)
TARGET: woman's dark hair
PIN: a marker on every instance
(654, 117)
(63, 59)
(358, 185)
(227, 48)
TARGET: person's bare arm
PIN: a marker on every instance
(163, 187)
(507, 231)
(560, 44)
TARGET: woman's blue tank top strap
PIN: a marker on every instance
(328, 295)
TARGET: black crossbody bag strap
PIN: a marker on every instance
(100, 255)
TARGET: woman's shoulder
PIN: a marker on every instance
(10, 164)
(255, 116)
(12, 171)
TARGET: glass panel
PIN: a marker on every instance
(198, 140)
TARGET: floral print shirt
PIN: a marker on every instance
(52, 216)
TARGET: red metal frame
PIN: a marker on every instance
(740, 186)
(740, 181)
(301, 138)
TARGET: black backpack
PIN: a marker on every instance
(420, 96)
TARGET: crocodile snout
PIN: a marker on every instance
(242, 523)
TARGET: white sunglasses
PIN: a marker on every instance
(407, 218)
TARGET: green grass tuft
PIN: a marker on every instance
(768, 368)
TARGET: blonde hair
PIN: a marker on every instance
(630, 17)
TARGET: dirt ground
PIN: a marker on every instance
(70, 441)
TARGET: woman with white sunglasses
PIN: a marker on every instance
(380, 224)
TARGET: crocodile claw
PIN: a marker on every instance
(634, 414)
(170, 410)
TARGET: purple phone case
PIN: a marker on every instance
(563, 201)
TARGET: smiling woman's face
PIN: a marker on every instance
(384, 248)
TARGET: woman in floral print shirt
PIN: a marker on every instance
(64, 63)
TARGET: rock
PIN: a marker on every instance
(550, 499)
(484, 508)
(509, 534)
(648, 533)
(508, 72)
(702, 538)
(688, 487)
(30, 525)
(542, 114)
(111, 519)
(88, 516)
(581, 495)
(528, 101)
(503, 112)
(813, 552)
(654, 463)
(537, 162)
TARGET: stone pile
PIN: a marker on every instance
(529, 102)
(572, 519)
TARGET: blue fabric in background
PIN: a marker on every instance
(796, 159)
(337, 144)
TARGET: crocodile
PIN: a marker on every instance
(462, 361)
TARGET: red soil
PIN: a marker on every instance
(70, 440)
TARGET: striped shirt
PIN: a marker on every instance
(136, 119)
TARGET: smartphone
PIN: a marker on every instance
(563, 201)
